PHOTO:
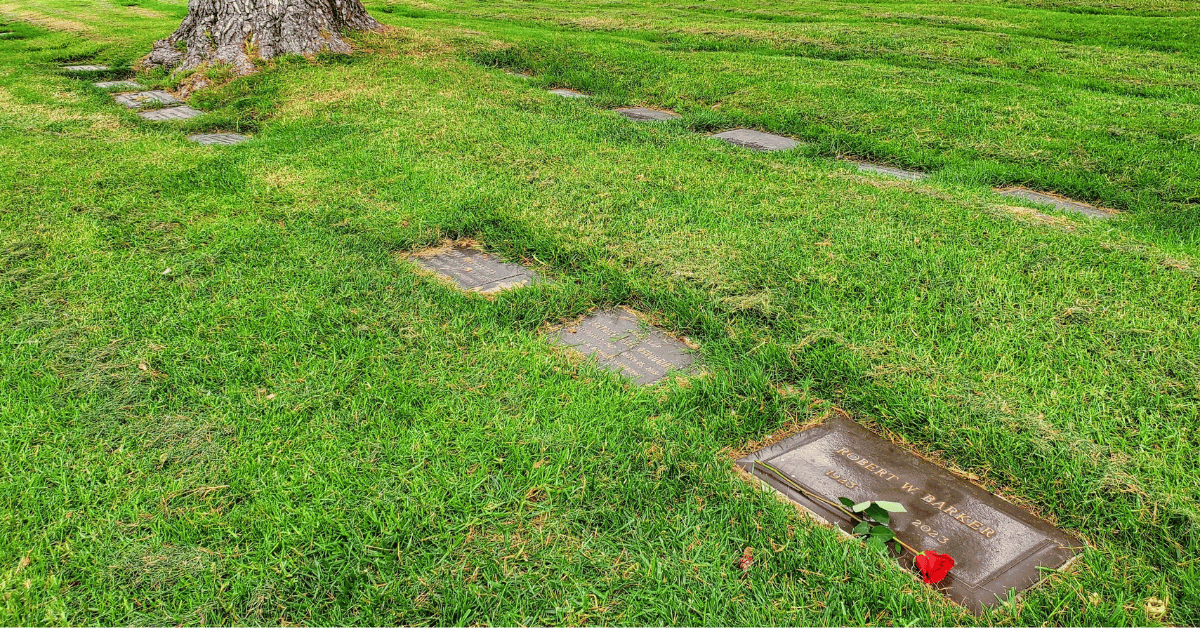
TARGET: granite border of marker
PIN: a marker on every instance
(621, 340)
(757, 140)
(473, 270)
(1058, 202)
(646, 114)
(892, 171)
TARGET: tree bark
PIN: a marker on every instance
(237, 32)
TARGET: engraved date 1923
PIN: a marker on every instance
(935, 534)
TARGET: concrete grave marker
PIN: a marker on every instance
(85, 68)
(757, 140)
(620, 342)
(996, 546)
(182, 112)
(569, 93)
(137, 100)
(117, 84)
(218, 138)
(476, 271)
(911, 175)
(643, 113)
(1064, 204)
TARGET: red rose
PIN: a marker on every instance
(934, 566)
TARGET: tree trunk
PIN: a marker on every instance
(236, 32)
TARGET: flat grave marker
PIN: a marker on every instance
(647, 114)
(757, 140)
(996, 546)
(218, 138)
(182, 112)
(619, 342)
(117, 84)
(85, 68)
(568, 93)
(137, 100)
(901, 173)
(476, 271)
(1064, 204)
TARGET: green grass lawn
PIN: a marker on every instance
(227, 398)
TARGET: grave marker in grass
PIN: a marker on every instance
(218, 138)
(117, 84)
(137, 100)
(996, 546)
(1058, 202)
(474, 270)
(182, 112)
(85, 68)
(911, 175)
(647, 114)
(620, 342)
(757, 140)
(568, 93)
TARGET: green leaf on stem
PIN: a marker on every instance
(878, 514)
(859, 507)
(882, 533)
(891, 506)
(862, 528)
(847, 502)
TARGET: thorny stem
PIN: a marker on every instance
(807, 493)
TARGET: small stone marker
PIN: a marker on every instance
(996, 546)
(911, 175)
(218, 138)
(644, 113)
(1063, 204)
(569, 93)
(120, 84)
(85, 68)
(476, 271)
(621, 343)
(757, 140)
(137, 100)
(182, 112)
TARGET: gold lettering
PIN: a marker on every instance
(950, 511)
(961, 516)
(864, 462)
(843, 450)
(853, 456)
(892, 476)
(882, 472)
(939, 505)
(975, 525)
(909, 488)
(927, 498)
(988, 532)
(872, 467)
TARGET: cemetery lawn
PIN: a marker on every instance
(227, 398)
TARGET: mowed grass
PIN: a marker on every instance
(226, 398)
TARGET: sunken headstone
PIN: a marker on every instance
(85, 68)
(757, 140)
(218, 138)
(620, 342)
(568, 93)
(182, 112)
(911, 175)
(1057, 202)
(117, 84)
(997, 547)
(137, 100)
(647, 114)
(476, 271)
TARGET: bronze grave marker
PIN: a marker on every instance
(620, 342)
(476, 271)
(996, 546)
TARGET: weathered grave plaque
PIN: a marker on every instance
(182, 112)
(85, 68)
(218, 138)
(996, 546)
(117, 84)
(137, 100)
(475, 270)
(620, 342)
(1063, 204)
(757, 140)
(568, 93)
(911, 175)
(647, 114)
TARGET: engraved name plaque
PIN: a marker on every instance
(997, 546)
